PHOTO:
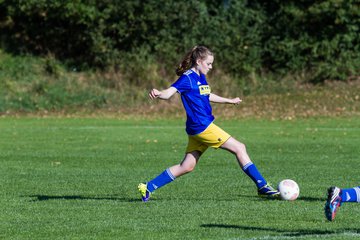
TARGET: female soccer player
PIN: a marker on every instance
(337, 196)
(202, 132)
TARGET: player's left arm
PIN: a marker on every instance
(217, 99)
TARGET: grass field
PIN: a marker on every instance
(76, 178)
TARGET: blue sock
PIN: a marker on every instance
(350, 194)
(251, 170)
(164, 178)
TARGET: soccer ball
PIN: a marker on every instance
(289, 190)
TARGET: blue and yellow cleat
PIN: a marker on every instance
(333, 203)
(145, 194)
(268, 191)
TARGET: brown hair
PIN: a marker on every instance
(197, 52)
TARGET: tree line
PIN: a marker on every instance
(320, 37)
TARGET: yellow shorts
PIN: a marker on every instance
(212, 136)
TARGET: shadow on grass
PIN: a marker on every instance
(286, 233)
(301, 198)
(78, 197)
(311, 199)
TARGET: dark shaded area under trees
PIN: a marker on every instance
(321, 37)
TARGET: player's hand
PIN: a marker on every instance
(236, 101)
(154, 93)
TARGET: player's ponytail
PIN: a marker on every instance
(197, 52)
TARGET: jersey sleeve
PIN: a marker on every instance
(183, 84)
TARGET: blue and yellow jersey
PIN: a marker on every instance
(195, 91)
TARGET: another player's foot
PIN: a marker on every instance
(268, 191)
(145, 194)
(333, 203)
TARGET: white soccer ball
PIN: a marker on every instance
(289, 190)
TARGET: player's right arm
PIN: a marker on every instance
(164, 94)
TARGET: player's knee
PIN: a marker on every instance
(186, 168)
(189, 168)
(241, 148)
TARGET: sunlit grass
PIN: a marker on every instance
(76, 178)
